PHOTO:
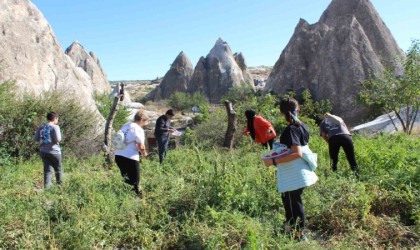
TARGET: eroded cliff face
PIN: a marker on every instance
(332, 57)
(176, 79)
(215, 74)
(31, 55)
(91, 65)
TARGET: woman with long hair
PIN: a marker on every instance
(260, 130)
(293, 172)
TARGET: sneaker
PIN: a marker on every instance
(356, 173)
(300, 236)
(303, 237)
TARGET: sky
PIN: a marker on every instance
(139, 39)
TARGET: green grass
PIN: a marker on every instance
(215, 199)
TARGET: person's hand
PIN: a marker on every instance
(171, 130)
(268, 162)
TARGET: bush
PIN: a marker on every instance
(104, 105)
(181, 101)
(239, 93)
(22, 115)
(211, 133)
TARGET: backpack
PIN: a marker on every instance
(45, 134)
(118, 140)
(335, 119)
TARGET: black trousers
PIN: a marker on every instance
(293, 205)
(130, 171)
(334, 144)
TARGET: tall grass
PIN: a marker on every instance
(211, 198)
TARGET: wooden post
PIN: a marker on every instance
(231, 125)
(109, 121)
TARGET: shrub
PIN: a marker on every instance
(211, 133)
(104, 104)
(22, 115)
(239, 93)
(182, 101)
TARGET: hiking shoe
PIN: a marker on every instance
(303, 238)
(300, 236)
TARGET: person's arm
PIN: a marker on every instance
(57, 134)
(246, 131)
(170, 128)
(142, 149)
(322, 131)
(295, 153)
(324, 136)
(160, 125)
(37, 134)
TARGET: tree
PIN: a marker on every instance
(396, 92)
(239, 93)
(182, 101)
(310, 108)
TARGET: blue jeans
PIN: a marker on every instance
(163, 143)
(51, 162)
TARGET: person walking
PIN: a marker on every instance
(260, 130)
(293, 172)
(49, 137)
(336, 134)
(162, 130)
(128, 159)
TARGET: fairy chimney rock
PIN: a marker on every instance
(176, 79)
(215, 74)
(334, 56)
(90, 64)
(240, 60)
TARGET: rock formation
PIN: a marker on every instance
(31, 55)
(218, 72)
(176, 79)
(240, 60)
(334, 56)
(90, 64)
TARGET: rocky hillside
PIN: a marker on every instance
(332, 57)
(31, 55)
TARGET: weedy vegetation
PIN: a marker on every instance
(203, 196)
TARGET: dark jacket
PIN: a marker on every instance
(162, 126)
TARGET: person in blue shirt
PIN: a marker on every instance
(49, 136)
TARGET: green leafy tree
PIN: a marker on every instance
(310, 108)
(182, 101)
(179, 101)
(395, 92)
(239, 93)
(104, 104)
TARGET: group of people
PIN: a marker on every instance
(127, 159)
(293, 172)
